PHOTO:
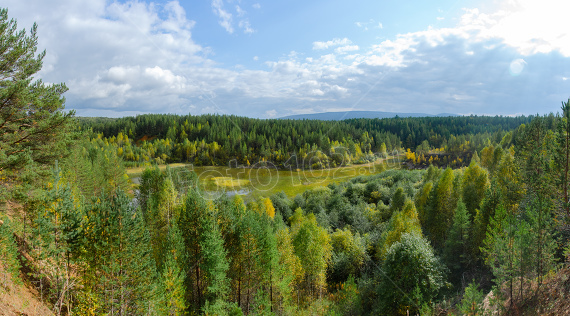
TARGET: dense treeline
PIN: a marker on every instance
(215, 139)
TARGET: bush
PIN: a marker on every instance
(411, 276)
(8, 253)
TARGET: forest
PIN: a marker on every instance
(215, 139)
(474, 221)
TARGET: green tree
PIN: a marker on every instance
(58, 237)
(404, 221)
(348, 256)
(34, 132)
(121, 272)
(214, 264)
(290, 271)
(398, 200)
(191, 234)
(411, 276)
(471, 301)
(475, 182)
(562, 155)
(172, 293)
(457, 252)
(312, 246)
(518, 247)
(8, 253)
(439, 212)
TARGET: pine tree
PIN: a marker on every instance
(171, 292)
(214, 264)
(500, 249)
(457, 254)
(562, 155)
(439, 212)
(248, 262)
(58, 239)
(192, 231)
(34, 130)
(269, 257)
(129, 271)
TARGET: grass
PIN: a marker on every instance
(137, 171)
(263, 182)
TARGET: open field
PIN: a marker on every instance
(261, 182)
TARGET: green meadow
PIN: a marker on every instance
(263, 182)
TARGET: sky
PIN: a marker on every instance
(268, 58)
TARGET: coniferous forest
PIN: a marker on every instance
(474, 220)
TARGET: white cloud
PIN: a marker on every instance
(332, 43)
(370, 24)
(240, 11)
(245, 26)
(528, 25)
(256, 6)
(225, 16)
(135, 57)
(346, 49)
(271, 113)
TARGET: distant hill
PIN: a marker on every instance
(337, 116)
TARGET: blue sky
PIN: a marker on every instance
(275, 58)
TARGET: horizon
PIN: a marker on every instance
(288, 117)
(263, 59)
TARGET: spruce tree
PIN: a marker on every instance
(171, 289)
(457, 254)
(214, 264)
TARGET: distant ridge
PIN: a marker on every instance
(337, 116)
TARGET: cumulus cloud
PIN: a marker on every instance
(529, 26)
(133, 57)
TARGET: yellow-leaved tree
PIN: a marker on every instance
(404, 221)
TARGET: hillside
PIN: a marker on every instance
(339, 116)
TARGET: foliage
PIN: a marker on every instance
(34, 132)
(457, 252)
(292, 144)
(8, 253)
(411, 275)
(472, 300)
(312, 246)
(352, 247)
